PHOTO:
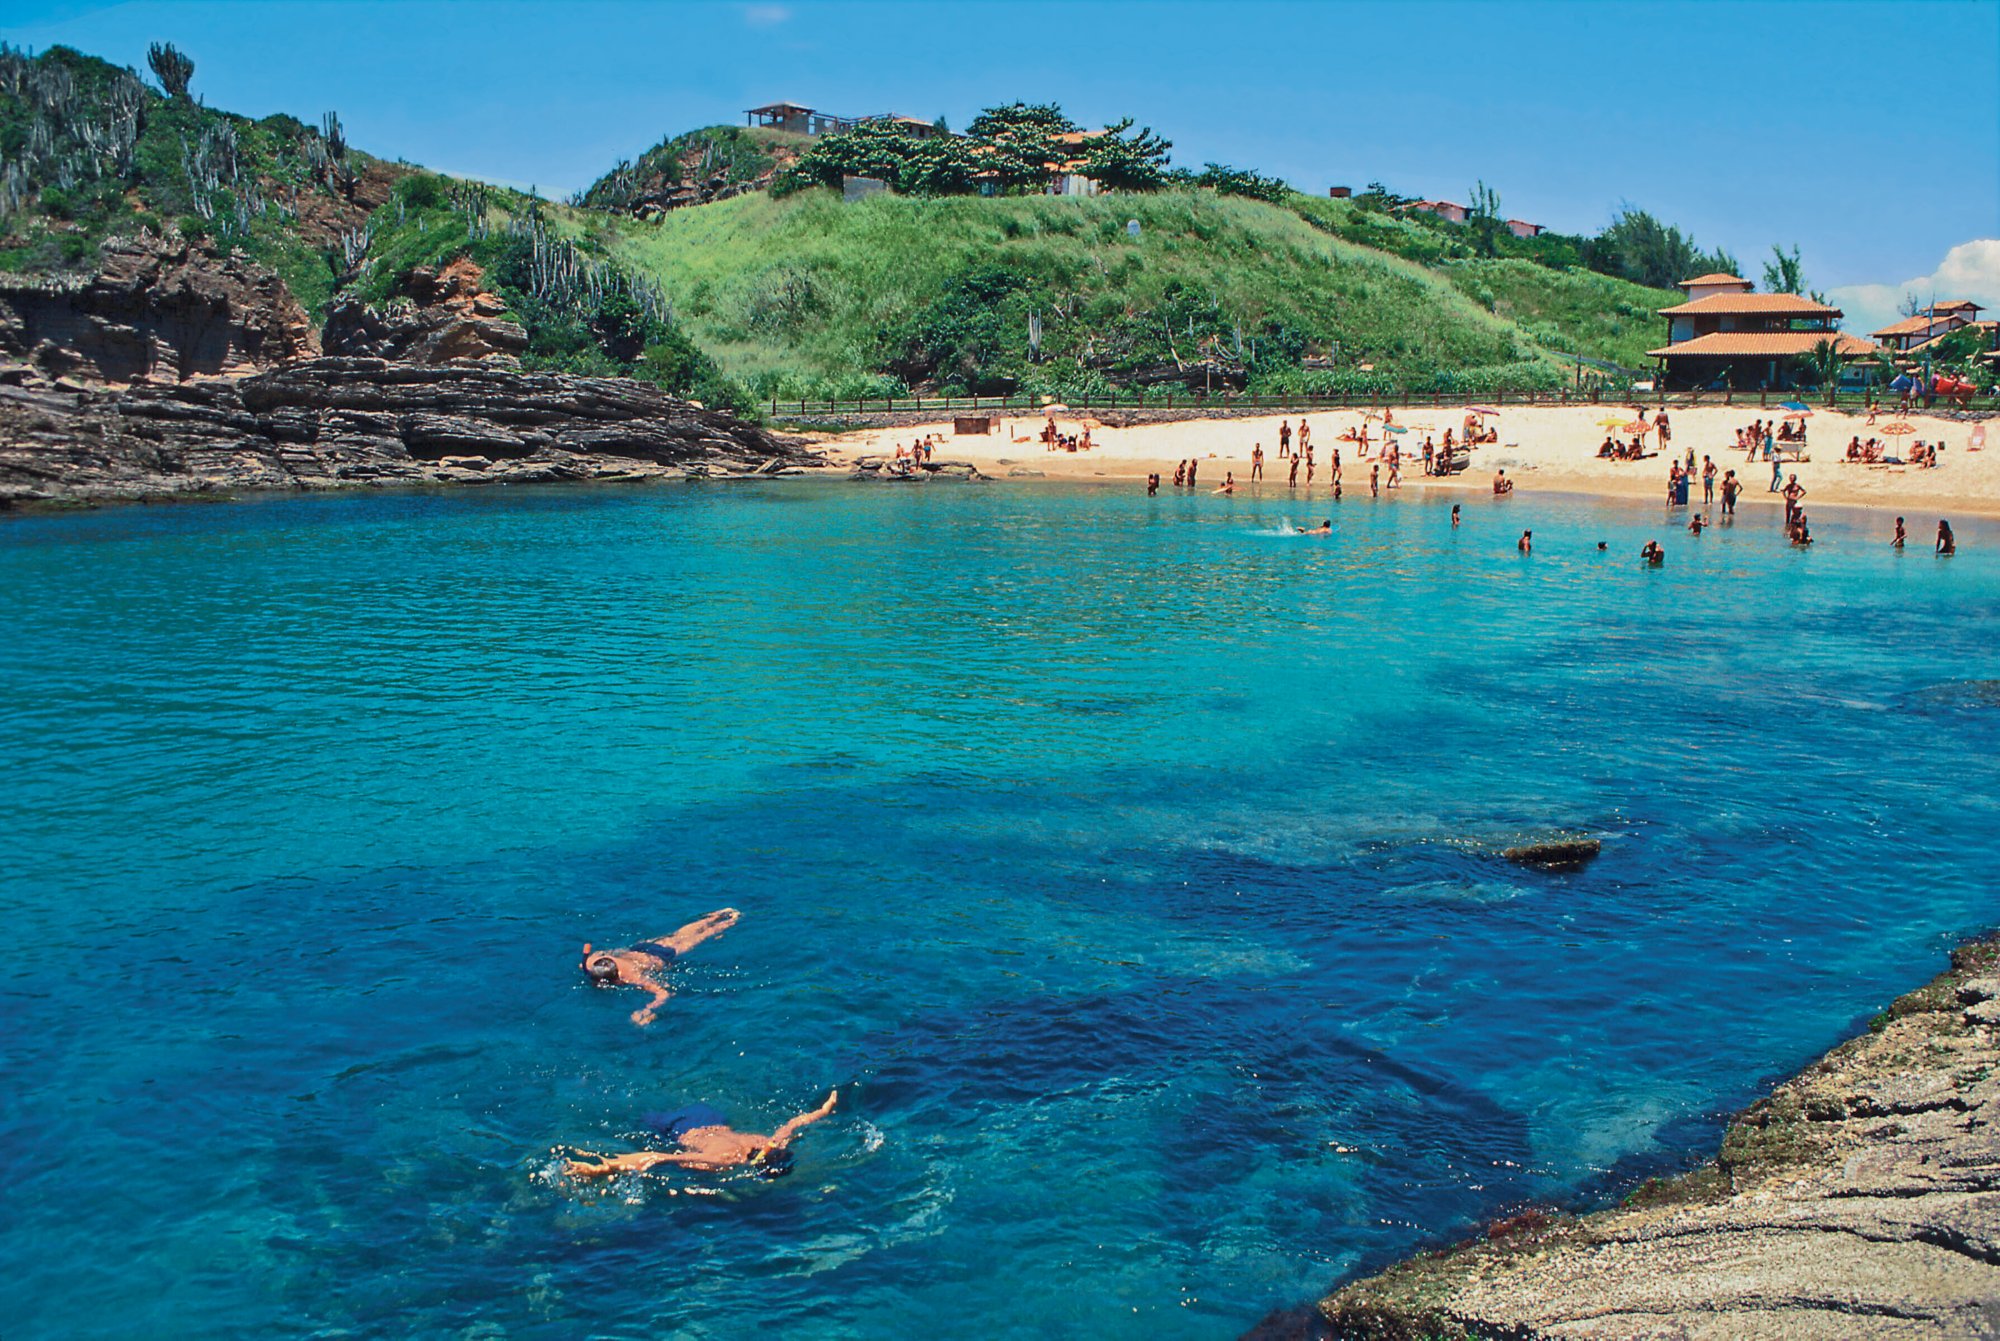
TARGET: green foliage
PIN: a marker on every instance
(736, 154)
(806, 292)
(1229, 181)
(1640, 248)
(1020, 140)
(1574, 311)
(172, 68)
(1484, 221)
(1122, 160)
(1783, 273)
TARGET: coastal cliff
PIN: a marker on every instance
(333, 422)
(1860, 1199)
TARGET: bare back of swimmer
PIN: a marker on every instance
(642, 963)
(708, 1148)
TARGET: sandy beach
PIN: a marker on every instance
(1545, 449)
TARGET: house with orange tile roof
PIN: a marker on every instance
(1935, 321)
(1724, 335)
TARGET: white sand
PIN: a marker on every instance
(1552, 449)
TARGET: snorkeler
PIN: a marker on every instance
(636, 964)
(707, 1142)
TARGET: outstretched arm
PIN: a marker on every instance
(645, 1014)
(784, 1134)
(605, 1165)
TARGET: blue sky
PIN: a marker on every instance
(1868, 134)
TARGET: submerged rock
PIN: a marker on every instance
(1860, 1199)
(1561, 854)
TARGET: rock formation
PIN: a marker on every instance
(438, 316)
(158, 310)
(332, 422)
(1860, 1200)
(1556, 854)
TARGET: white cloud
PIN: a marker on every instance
(1970, 270)
(765, 16)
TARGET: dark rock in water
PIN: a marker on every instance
(159, 309)
(333, 422)
(1565, 854)
(1954, 696)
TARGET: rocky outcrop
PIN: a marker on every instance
(438, 317)
(333, 422)
(1861, 1199)
(1556, 854)
(158, 310)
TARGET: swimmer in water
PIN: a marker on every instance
(1454, 516)
(1526, 544)
(1947, 543)
(1324, 528)
(706, 1143)
(1653, 554)
(637, 964)
(1901, 535)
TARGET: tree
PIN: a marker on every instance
(938, 167)
(1228, 181)
(1823, 361)
(1783, 273)
(1911, 306)
(172, 68)
(1021, 140)
(1485, 219)
(1638, 247)
(1122, 161)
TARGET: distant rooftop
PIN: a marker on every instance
(1715, 277)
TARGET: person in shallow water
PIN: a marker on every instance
(707, 1142)
(637, 964)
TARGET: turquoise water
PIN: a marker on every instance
(1121, 860)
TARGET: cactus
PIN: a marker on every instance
(173, 68)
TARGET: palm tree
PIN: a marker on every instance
(1823, 363)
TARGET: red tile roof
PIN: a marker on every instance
(1715, 277)
(1762, 304)
(1762, 344)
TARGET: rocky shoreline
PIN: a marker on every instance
(331, 423)
(1861, 1198)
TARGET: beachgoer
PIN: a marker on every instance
(1257, 462)
(1305, 434)
(1707, 479)
(1947, 543)
(1501, 484)
(1284, 437)
(636, 965)
(1901, 535)
(1695, 523)
(1309, 469)
(1153, 484)
(1801, 533)
(1194, 464)
(1653, 554)
(1180, 474)
(1526, 544)
(708, 1143)
(1324, 528)
(1731, 487)
(1375, 480)
(1396, 470)
(1603, 545)
(1228, 483)
(1293, 483)
(1793, 493)
(1454, 516)
(1336, 465)
(1777, 476)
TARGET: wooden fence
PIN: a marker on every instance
(945, 407)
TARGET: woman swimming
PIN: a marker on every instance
(636, 965)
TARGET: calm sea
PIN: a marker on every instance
(1129, 866)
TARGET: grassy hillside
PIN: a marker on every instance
(809, 296)
(1577, 311)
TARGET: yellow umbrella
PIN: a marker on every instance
(1619, 422)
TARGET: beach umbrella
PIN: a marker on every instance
(1639, 426)
(1796, 406)
(1480, 409)
(1612, 423)
(1394, 428)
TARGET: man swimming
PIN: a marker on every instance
(707, 1143)
(636, 965)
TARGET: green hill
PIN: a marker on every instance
(807, 295)
(804, 295)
